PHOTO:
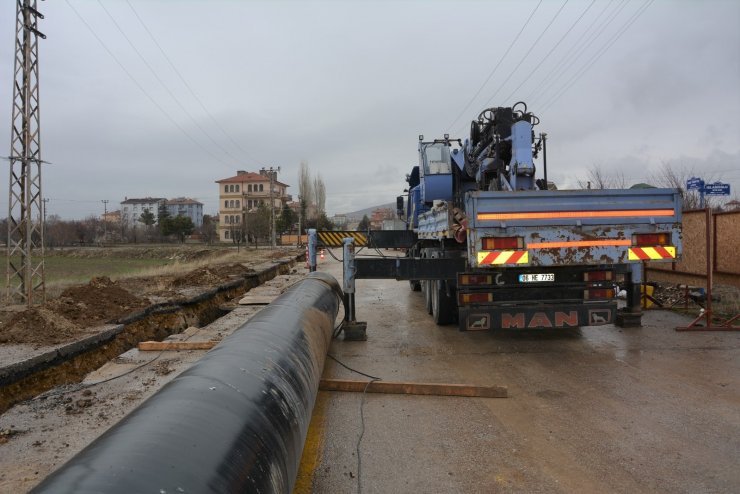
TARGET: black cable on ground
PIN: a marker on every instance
(362, 433)
(362, 415)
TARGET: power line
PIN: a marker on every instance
(554, 47)
(190, 89)
(141, 88)
(495, 68)
(161, 82)
(521, 61)
(598, 32)
(559, 65)
(599, 54)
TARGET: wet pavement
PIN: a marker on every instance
(599, 409)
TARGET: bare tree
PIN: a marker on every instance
(676, 176)
(319, 191)
(597, 178)
(305, 187)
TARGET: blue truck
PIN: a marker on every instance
(529, 256)
(491, 246)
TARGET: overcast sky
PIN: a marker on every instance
(348, 86)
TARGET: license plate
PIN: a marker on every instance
(536, 277)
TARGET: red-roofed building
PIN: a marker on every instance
(243, 192)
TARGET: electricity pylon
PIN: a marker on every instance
(25, 250)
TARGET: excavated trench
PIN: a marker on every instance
(70, 363)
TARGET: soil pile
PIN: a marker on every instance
(38, 326)
(99, 301)
(212, 275)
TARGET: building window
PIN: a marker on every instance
(261, 188)
(249, 187)
(226, 188)
(226, 234)
(237, 187)
(238, 204)
(226, 204)
(237, 219)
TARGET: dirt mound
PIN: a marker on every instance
(99, 301)
(211, 275)
(38, 326)
(198, 277)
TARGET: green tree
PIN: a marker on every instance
(364, 224)
(258, 223)
(286, 220)
(147, 217)
(180, 226)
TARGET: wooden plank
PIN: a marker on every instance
(257, 300)
(157, 346)
(430, 389)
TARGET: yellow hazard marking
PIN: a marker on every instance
(503, 257)
(313, 447)
(335, 239)
(651, 253)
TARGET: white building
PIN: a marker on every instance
(132, 209)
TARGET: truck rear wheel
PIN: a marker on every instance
(443, 306)
(426, 288)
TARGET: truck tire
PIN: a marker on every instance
(426, 288)
(415, 285)
(443, 306)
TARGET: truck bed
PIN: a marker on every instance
(573, 227)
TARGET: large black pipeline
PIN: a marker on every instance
(235, 421)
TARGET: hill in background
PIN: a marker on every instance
(357, 215)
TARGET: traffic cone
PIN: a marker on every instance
(322, 254)
(307, 266)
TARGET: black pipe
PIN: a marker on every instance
(235, 421)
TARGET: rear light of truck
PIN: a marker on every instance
(598, 293)
(502, 243)
(650, 239)
(475, 279)
(598, 276)
(474, 298)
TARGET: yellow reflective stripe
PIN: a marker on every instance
(335, 239)
(633, 253)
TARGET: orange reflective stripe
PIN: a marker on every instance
(542, 215)
(579, 243)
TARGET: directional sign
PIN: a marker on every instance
(717, 189)
(694, 183)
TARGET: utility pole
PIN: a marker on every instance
(300, 211)
(105, 219)
(25, 262)
(271, 172)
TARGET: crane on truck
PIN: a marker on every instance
(492, 246)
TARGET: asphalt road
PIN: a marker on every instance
(599, 409)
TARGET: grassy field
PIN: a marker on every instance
(70, 270)
(62, 270)
(77, 266)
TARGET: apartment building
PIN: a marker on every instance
(184, 206)
(131, 209)
(243, 192)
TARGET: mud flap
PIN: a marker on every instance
(481, 318)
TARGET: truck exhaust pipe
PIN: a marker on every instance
(236, 421)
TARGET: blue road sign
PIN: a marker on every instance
(717, 189)
(694, 183)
